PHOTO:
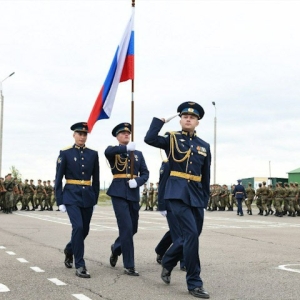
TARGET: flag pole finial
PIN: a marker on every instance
(133, 3)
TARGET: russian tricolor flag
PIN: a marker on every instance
(121, 69)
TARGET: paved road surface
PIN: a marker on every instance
(250, 257)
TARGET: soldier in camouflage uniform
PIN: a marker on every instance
(2, 193)
(151, 194)
(156, 195)
(258, 195)
(292, 200)
(264, 197)
(28, 195)
(250, 192)
(286, 199)
(145, 197)
(9, 195)
(270, 199)
(40, 195)
(278, 199)
(16, 194)
(52, 198)
(225, 196)
(297, 206)
(33, 193)
(50, 193)
(215, 197)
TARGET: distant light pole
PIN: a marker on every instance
(215, 141)
(1, 116)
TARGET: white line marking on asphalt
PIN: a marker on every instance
(10, 253)
(37, 269)
(284, 268)
(3, 288)
(81, 297)
(64, 221)
(56, 281)
(22, 260)
(2, 247)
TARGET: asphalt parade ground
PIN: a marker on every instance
(250, 257)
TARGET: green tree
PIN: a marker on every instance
(15, 173)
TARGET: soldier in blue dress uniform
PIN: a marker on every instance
(124, 193)
(80, 167)
(187, 190)
(239, 194)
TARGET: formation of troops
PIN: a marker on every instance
(13, 191)
(150, 196)
(283, 199)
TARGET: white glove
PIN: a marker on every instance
(94, 207)
(62, 208)
(163, 213)
(170, 118)
(130, 146)
(246, 199)
(132, 183)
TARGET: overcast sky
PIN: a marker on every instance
(243, 55)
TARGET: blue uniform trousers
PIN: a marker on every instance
(80, 218)
(240, 206)
(127, 214)
(190, 221)
(164, 244)
(172, 235)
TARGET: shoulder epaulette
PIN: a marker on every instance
(69, 147)
(91, 149)
(171, 133)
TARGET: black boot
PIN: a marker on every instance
(267, 213)
(250, 212)
(261, 212)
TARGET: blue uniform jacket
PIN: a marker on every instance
(79, 164)
(119, 186)
(239, 192)
(164, 173)
(191, 192)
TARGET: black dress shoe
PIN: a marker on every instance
(159, 258)
(183, 269)
(82, 272)
(165, 275)
(68, 259)
(113, 258)
(199, 292)
(131, 272)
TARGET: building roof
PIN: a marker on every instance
(295, 171)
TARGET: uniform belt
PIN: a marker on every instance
(78, 182)
(239, 193)
(186, 176)
(123, 176)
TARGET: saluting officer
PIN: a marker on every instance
(187, 190)
(125, 195)
(80, 167)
